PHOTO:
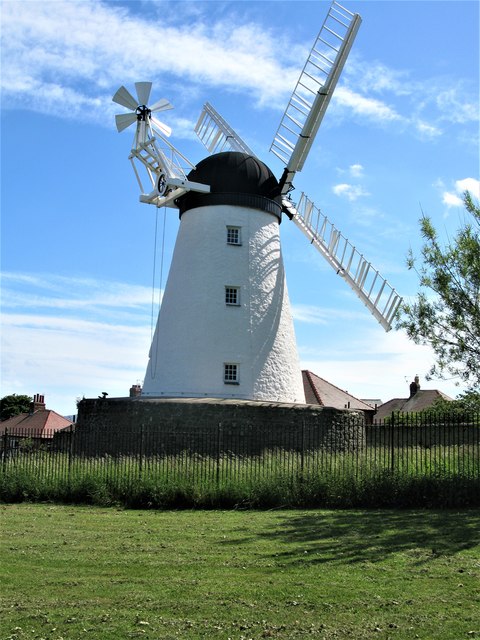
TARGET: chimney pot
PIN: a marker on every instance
(38, 403)
(135, 390)
(414, 386)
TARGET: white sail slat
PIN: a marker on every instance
(373, 289)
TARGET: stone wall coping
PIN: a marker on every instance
(220, 401)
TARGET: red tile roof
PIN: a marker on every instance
(42, 423)
(319, 391)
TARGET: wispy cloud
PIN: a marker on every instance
(356, 170)
(67, 357)
(378, 78)
(424, 107)
(66, 336)
(373, 364)
(426, 130)
(312, 314)
(66, 58)
(350, 191)
(367, 107)
(52, 294)
(455, 105)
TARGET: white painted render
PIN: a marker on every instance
(197, 333)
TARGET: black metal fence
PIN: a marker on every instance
(404, 444)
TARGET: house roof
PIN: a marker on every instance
(423, 399)
(42, 423)
(319, 391)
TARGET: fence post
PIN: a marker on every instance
(219, 445)
(302, 452)
(392, 453)
(140, 458)
(70, 456)
(5, 450)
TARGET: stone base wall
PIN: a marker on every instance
(207, 426)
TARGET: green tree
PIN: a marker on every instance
(466, 403)
(13, 405)
(446, 311)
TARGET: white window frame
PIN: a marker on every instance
(229, 289)
(231, 373)
(230, 234)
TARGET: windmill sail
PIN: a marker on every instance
(311, 96)
(216, 134)
(373, 290)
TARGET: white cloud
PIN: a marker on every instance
(423, 106)
(309, 314)
(455, 199)
(66, 337)
(350, 191)
(51, 292)
(455, 106)
(67, 353)
(312, 314)
(356, 170)
(67, 357)
(451, 200)
(468, 184)
(68, 56)
(376, 77)
(374, 364)
(367, 107)
(427, 130)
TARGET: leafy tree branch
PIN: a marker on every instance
(446, 312)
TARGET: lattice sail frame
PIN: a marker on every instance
(313, 91)
(373, 289)
(216, 134)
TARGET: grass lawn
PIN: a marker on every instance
(87, 572)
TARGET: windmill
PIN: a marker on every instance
(225, 327)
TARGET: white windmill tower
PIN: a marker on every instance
(225, 328)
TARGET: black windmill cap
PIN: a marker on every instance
(235, 178)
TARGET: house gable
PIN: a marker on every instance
(326, 394)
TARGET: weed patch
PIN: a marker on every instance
(274, 479)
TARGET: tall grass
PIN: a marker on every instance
(271, 480)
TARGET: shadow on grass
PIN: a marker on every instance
(370, 536)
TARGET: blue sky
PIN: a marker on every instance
(79, 289)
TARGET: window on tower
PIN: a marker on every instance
(232, 296)
(231, 373)
(233, 235)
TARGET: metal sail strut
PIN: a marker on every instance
(373, 290)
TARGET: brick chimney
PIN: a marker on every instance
(38, 403)
(135, 391)
(414, 386)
